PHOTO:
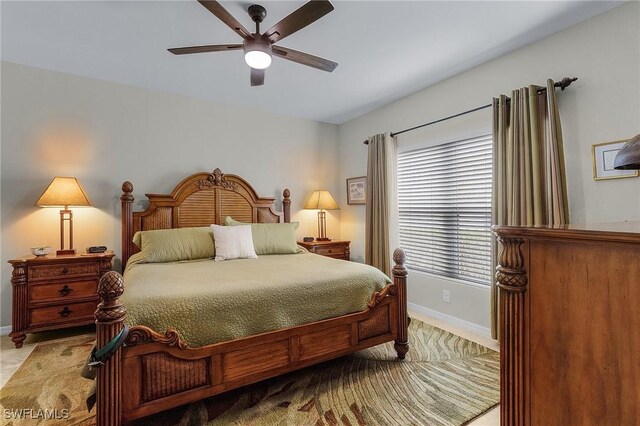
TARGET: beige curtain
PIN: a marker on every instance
(381, 209)
(529, 185)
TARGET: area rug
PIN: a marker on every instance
(445, 380)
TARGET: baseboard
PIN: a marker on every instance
(467, 325)
(5, 330)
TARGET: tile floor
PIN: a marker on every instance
(11, 358)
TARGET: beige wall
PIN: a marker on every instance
(105, 133)
(603, 105)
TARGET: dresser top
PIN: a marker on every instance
(615, 231)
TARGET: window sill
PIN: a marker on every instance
(450, 280)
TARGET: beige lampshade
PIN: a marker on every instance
(64, 191)
(321, 200)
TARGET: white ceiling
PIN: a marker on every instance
(386, 49)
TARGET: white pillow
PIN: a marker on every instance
(233, 242)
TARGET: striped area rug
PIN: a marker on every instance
(445, 380)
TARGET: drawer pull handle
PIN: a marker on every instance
(64, 291)
(65, 270)
(65, 312)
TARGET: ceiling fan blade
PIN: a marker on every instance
(300, 18)
(204, 49)
(257, 77)
(222, 14)
(304, 58)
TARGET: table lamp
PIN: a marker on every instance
(322, 200)
(64, 192)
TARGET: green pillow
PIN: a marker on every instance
(173, 245)
(271, 238)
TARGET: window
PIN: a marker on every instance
(444, 201)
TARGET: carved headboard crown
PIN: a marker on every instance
(199, 200)
(214, 179)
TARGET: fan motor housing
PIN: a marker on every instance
(257, 12)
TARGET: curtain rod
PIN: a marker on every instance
(562, 84)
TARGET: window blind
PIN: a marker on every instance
(444, 201)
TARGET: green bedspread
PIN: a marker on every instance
(209, 302)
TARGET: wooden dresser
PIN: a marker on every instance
(336, 249)
(570, 325)
(53, 292)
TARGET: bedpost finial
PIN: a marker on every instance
(286, 194)
(399, 258)
(110, 288)
(127, 189)
(127, 186)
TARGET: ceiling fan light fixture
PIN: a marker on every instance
(257, 54)
(257, 59)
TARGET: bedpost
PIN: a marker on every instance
(400, 280)
(126, 199)
(109, 322)
(286, 205)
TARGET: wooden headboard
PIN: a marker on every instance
(199, 200)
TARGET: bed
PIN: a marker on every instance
(167, 364)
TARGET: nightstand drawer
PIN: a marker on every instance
(329, 251)
(62, 291)
(49, 272)
(62, 313)
(336, 249)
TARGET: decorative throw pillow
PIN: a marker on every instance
(271, 238)
(173, 245)
(233, 242)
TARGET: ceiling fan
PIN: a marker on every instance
(259, 48)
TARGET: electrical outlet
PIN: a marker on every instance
(446, 296)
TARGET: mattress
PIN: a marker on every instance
(209, 302)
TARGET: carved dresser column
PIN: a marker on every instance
(109, 318)
(20, 301)
(512, 281)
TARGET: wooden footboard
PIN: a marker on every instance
(156, 372)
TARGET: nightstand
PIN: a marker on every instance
(335, 249)
(52, 292)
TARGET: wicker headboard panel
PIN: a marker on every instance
(199, 200)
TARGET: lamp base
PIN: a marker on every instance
(65, 252)
(323, 239)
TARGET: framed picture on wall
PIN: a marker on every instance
(357, 190)
(603, 156)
